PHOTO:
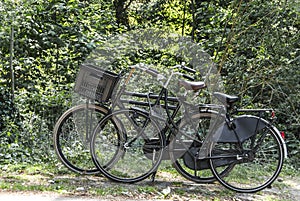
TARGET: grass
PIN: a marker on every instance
(57, 179)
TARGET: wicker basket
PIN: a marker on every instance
(95, 83)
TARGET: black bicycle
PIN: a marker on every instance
(244, 152)
(73, 130)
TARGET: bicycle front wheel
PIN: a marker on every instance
(257, 161)
(127, 146)
(71, 137)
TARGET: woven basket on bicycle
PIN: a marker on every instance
(95, 83)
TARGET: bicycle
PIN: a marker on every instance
(76, 124)
(146, 142)
(72, 131)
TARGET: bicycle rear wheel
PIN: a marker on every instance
(127, 146)
(71, 137)
(256, 164)
(186, 145)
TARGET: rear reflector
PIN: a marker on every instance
(282, 134)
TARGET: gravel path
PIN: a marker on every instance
(13, 196)
(167, 186)
(172, 189)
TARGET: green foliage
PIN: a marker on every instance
(51, 39)
(256, 46)
(254, 43)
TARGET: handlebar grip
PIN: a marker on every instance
(188, 69)
(188, 77)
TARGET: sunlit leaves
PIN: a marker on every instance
(254, 43)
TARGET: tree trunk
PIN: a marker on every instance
(12, 74)
(121, 13)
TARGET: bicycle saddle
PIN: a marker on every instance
(195, 86)
(225, 98)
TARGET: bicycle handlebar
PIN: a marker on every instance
(188, 69)
(152, 72)
(188, 77)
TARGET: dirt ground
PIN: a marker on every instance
(163, 188)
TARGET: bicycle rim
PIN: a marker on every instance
(72, 134)
(127, 146)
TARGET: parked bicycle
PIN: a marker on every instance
(72, 132)
(128, 144)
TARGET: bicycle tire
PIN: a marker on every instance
(69, 137)
(188, 164)
(127, 146)
(256, 166)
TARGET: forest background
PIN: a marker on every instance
(255, 44)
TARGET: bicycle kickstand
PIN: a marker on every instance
(153, 176)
